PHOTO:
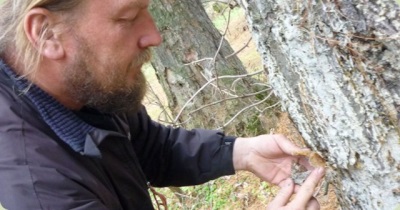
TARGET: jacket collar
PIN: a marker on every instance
(78, 135)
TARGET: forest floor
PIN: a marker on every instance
(243, 190)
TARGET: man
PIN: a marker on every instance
(73, 133)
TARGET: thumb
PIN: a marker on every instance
(284, 194)
(289, 147)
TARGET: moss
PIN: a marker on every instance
(167, 18)
(218, 7)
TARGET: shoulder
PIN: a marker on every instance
(20, 126)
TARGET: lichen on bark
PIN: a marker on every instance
(335, 66)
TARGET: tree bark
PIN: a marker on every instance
(336, 67)
(190, 36)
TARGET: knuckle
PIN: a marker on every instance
(309, 190)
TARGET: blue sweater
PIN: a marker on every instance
(62, 121)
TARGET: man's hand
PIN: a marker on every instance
(304, 195)
(271, 157)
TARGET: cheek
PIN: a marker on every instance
(115, 70)
(125, 43)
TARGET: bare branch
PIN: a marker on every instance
(276, 104)
(197, 61)
(241, 49)
(158, 102)
(246, 108)
(227, 99)
(208, 83)
(221, 42)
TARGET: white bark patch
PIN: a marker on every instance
(336, 67)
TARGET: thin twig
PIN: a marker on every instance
(209, 82)
(197, 61)
(227, 99)
(272, 106)
(246, 108)
(227, 92)
(241, 49)
(221, 42)
(158, 103)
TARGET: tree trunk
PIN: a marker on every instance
(185, 63)
(336, 67)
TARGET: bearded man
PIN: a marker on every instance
(73, 132)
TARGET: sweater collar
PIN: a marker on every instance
(67, 126)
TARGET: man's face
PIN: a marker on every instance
(111, 92)
(108, 47)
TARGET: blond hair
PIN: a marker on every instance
(12, 32)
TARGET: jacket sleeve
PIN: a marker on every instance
(24, 180)
(28, 186)
(178, 157)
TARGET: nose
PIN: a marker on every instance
(152, 36)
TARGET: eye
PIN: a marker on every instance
(127, 19)
(126, 22)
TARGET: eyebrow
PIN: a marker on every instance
(134, 5)
(127, 6)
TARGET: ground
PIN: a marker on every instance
(243, 190)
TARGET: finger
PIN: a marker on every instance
(284, 194)
(306, 191)
(287, 146)
(296, 189)
(313, 204)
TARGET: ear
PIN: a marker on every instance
(39, 26)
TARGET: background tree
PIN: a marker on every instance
(193, 65)
(336, 67)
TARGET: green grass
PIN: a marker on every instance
(226, 193)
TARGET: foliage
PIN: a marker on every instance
(235, 192)
(218, 7)
(254, 125)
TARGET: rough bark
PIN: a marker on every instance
(336, 67)
(189, 36)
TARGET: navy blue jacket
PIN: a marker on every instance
(38, 170)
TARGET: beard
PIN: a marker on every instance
(108, 91)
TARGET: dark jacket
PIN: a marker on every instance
(38, 170)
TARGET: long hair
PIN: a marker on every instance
(12, 33)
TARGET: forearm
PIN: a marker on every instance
(175, 156)
(196, 157)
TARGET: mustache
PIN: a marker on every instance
(144, 57)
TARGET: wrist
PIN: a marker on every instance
(240, 152)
